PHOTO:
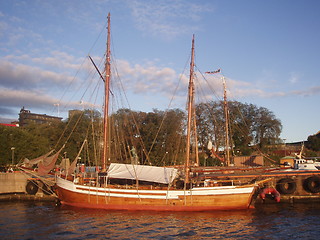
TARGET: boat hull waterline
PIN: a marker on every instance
(196, 199)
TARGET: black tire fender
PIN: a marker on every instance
(286, 186)
(32, 187)
(312, 184)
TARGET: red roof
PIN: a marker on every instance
(9, 124)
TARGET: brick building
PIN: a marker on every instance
(26, 117)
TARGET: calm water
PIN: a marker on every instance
(20, 220)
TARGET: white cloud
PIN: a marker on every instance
(56, 59)
(167, 19)
(294, 77)
(152, 79)
(24, 76)
(307, 92)
(9, 97)
(147, 78)
(60, 60)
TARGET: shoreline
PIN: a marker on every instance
(26, 197)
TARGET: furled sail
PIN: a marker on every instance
(142, 172)
(72, 167)
(29, 163)
(48, 164)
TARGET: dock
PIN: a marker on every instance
(19, 186)
(294, 186)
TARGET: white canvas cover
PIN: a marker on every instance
(142, 172)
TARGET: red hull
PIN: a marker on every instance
(188, 203)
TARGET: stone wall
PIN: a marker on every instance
(13, 182)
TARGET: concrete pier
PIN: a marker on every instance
(13, 187)
(13, 182)
(26, 197)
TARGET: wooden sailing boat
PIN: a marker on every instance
(103, 195)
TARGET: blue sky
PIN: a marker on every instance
(268, 51)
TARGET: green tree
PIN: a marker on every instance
(158, 136)
(26, 145)
(154, 135)
(81, 126)
(313, 142)
(249, 125)
(266, 128)
(241, 123)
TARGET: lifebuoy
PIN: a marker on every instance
(270, 192)
(286, 186)
(32, 188)
(312, 184)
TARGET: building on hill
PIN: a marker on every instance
(26, 117)
(74, 112)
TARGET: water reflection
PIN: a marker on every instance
(46, 221)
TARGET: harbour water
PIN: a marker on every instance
(34, 220)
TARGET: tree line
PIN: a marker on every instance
(156, 138)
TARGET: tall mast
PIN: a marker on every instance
(190, 112)
(106, 101)
(197, 162)
(226, 114)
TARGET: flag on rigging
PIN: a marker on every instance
(213, 72)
